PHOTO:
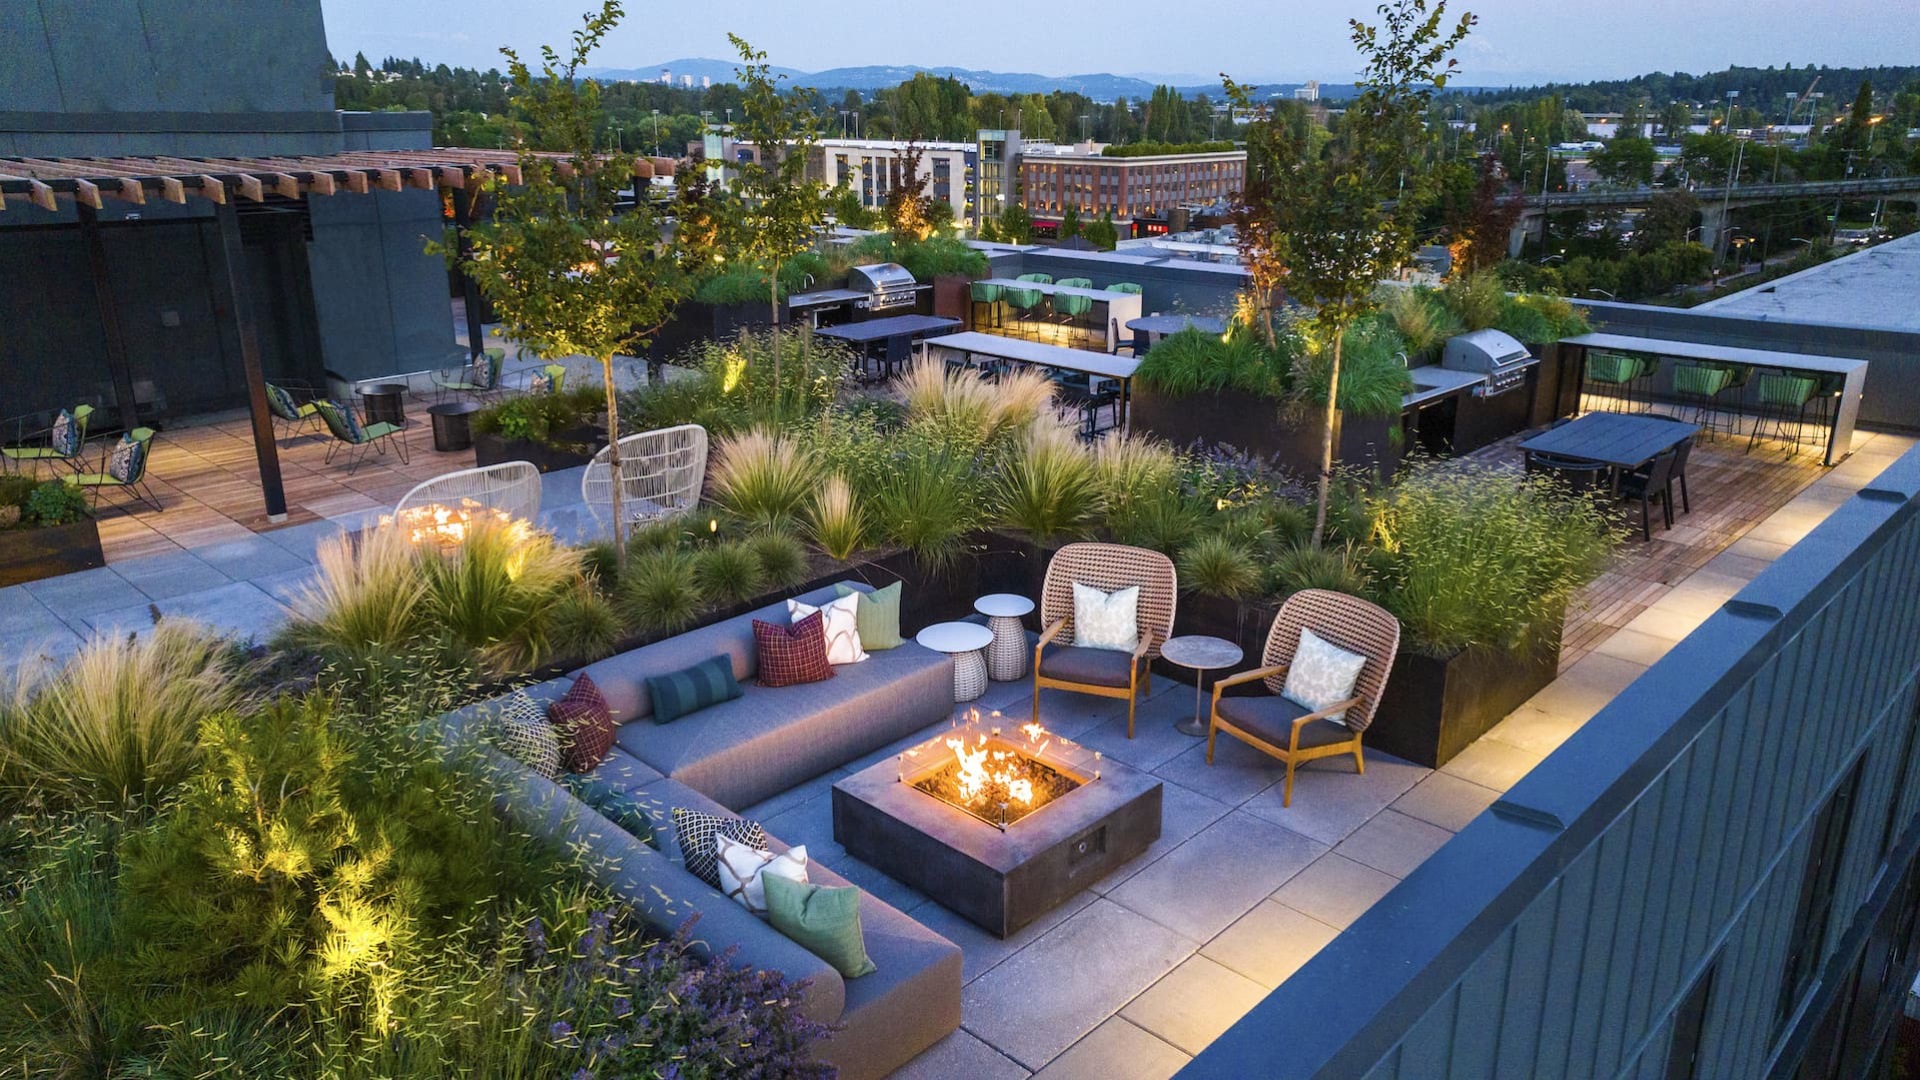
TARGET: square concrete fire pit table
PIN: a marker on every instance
(999, 877)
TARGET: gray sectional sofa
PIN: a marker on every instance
(728, 757)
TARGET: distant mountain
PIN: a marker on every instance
(1100, 87)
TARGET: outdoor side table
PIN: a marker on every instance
(1007, 653)
(963, 640)
(385, 403)
(452, 424)
(1202, 654)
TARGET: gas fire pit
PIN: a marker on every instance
(999, 824)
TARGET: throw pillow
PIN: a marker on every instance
(743, 870)
(1104, 620)
(794, 654)
(823, 920)
(522, 733)
(585, 724)
(878, 614)
(699, 834)
(841, 625)
(1321, 674)
(124, 459)
(540, 383)
(65, 437)
(678, 693)
(615, 805)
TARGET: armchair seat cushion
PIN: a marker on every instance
(1270, 717)
(375, 431)
(1089, 667)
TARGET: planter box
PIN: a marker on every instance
(952, 296)
(1435, 707)
(31, 554)
(492, 449)
(1257, 426)
(694, 322)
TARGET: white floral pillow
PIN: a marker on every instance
(1322, 674)
(743, 866)
(841, 623)
(1106, 620)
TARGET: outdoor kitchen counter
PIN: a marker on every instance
(824, 296)
(1433, 382)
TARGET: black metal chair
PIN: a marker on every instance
(1649, 486)
(1680, 455)
(1577, 474)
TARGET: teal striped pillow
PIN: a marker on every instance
(708, 682)
(615, 805)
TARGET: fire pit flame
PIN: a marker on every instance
(996, 778)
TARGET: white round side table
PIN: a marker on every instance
(1202, 654)
(963, 640)
(1007, 653)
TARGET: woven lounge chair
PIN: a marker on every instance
(511, 486)
(355, 437)
(1292, 733)
(661, 473)
(1059, 664)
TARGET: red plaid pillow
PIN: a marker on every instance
(585, 725)
(794, 654)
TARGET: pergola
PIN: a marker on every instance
(88, 182)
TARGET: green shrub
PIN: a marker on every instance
(1422, 320)
(600, 561)
(1373, 373)
(113, 729)
(1302, 566)
(1194, 362)
(368, 592)
(15, 488)
(783, 560)
(585, 625)
(658, 594)
(1165, 521)
(497, 591)
(763, 479)
(546, 418)
(928, 502)
(836, 520)
(940, 256)
(1216, 566)
(1476, 300)
(1049, 486)
(55, 502)
(729, 572)
(57, 900)
(1474, 558)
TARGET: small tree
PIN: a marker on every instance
(1349, 215)
(1102, 234)
(1016, 227)
(1258, 232)
(781, 209)
(910, 210)
(1479, 239)
(1070, 223)
(565, 272)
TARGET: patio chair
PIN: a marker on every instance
(478, 378)
(1653, 484)
(1126, 287)
(1038, 279)
(545, 379)
(1579, 475)
(512, 487)
(290, 412)
(356, 438)
(1071, 311)
(1783, 398)
(1698, 386)
(1075, 283)
(66, 439)
(1679, 477)
(1103, 672)
(988, 296)
(1023, 302)
(1284, 729)
(124, 468)
(1616, 372)
(661, 473)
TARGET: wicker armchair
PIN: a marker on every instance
(661, 473)
(1102, 672)
(512, 487)
(1274, 725)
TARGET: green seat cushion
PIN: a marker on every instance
(689, 690)
(877, 615)
(1611, 368)
(31, 453)
(821, 919)
(374, 431)
(94, 479)
(615, 805)
(1699, 380)
(1784, 390)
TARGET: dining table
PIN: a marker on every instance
(1623, 441)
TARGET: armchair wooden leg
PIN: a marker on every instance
(1212, 729)
(1359, 763)
(1036, 696)
(1132, 698)
(1286, 795)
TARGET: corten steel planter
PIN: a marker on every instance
(952, 296)
(29, 554)
(1435, 707)
(1258, 426)
(576, 447)
(998, 879)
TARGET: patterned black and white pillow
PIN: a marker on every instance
(699, 846)
(522, 732)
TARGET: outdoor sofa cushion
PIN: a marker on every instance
(1088, 667)
(680, 693)
(1271, 717)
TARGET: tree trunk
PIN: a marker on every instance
(773, 338)
(1326, 441)
(613, 464)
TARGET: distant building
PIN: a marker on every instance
(1309, 92)
(873, 167)
(666, 77)
(997, 170)
(686, 82)
(1146, 195)
(706, 82)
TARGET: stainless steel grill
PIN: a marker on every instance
(888, 287)
(1498, 356)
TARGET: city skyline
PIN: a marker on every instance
(1515, 43)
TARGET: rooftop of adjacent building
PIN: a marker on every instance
(1872, 288)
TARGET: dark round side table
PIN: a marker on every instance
(451, 420)
(385, 403)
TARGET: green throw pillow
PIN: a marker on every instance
(708, 682)
(877, 615)
(823, 920)
(615, 805)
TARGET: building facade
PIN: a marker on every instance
(1143, 194)
(873, 167)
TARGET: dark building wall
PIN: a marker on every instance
(1672, 840)
(382, 300)
(119, 77)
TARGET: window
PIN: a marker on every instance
(1828, 846)
(1890, 831)
(1683, 1051)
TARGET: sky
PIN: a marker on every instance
(1516, 41)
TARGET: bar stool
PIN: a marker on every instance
(989, 296)
(1698, 386)
(1022, 302)
(1075, 283)
(1783, 399)
(1614, 370)
(1037, 279)
(1072, 310)
(1126, 287)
